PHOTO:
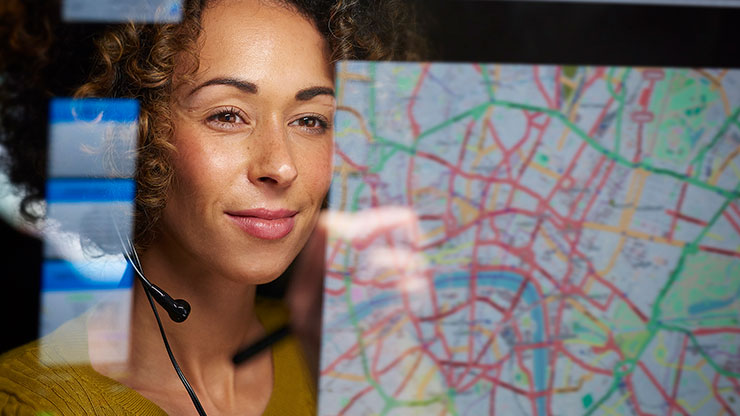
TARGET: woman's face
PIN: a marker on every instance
(253, 143)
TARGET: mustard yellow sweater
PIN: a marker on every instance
(30, 387)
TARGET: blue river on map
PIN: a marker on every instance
(712, 304)
(511, 282)
(459, 280)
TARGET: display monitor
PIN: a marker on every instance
(533, 240)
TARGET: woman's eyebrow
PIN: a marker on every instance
(246, 86)
(308, 93)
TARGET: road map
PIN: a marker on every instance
(533, 240)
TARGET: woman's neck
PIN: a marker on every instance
(222, 321)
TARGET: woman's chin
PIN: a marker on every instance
(256, 274)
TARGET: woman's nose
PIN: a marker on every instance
(271, 159)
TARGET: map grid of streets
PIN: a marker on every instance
(573, 246)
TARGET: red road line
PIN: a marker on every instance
(525, 136)
(475, 364)
(735, 209)
(490, 303)
(354, 399)
(517, 297)
(599, 73)
(499, 382)
(346, 355)
(599, 186)
(445, 314)
(679, 204)
(674, 404)
(735, 383)
(633, 396)
(410, 106)
(537, 143)
(408, 376)
(587, 186)
(349, 161)
(501, 146)
(644, 103)
(566, 174)
(717, 330)
(541, 88)
(486, 367)
(677, 376)
(686, 218)
(400, 357)
(601, 116)
(338, 292)
(585, 365)
(720, 251)
(376, 356)
(732, 221)
(352, 352)
(621, 296)
(719, 397)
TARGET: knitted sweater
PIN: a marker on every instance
(29, 386)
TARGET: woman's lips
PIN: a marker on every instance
(264, 223)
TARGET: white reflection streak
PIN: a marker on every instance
(409, 265)
(363, 226)
(399, 223)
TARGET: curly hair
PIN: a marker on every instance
(138, 61)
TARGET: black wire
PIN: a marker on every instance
(261, 344)
(184, 380)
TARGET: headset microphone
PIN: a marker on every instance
(178, 309)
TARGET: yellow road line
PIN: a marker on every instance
(718, 172)
(347, 376)
(424, 382)
(612, 410)
(553, 246)
(543, 170)
(580, 308)
(634, 234)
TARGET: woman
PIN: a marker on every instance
(235, 161)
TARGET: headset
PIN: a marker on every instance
(177, 309)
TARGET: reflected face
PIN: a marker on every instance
(254, 143)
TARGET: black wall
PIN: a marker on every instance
(582, 33)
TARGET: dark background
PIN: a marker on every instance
(457, 30)
(584, 33)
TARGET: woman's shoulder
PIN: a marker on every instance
(19, 378)
(37, 377)
(32, 383)
(52, 375)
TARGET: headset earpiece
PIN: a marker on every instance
(177, 309)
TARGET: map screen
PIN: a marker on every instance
(533, 240)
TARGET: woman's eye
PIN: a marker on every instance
(225, 119)
(312, 124)
(308, 122)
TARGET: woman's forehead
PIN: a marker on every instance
(262, 42)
